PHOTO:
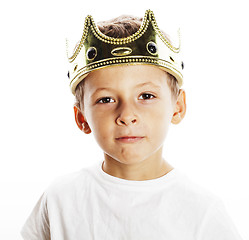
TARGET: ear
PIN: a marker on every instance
(80, 121)
(180, 108)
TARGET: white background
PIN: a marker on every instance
(39, 139)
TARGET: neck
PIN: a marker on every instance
(151, 168)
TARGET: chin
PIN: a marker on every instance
(131, 159)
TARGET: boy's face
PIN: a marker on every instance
(129, 110)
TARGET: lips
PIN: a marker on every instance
(129, 139)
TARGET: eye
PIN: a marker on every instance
(146, 96)
(105, 100)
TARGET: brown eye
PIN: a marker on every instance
(105, 100)
(146, 96)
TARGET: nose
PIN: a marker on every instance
(126, 115)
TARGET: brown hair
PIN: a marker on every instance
(121, 27)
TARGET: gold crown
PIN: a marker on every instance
(146, 46)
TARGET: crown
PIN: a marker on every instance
(146, 46)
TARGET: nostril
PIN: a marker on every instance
(121, 121)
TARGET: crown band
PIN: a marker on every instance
(147, 46)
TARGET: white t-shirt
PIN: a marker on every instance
(90, 204)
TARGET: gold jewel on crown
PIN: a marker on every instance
(146, 46)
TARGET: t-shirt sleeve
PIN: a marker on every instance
(217, 224)
(37, 225)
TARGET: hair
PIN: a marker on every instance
(121, 27)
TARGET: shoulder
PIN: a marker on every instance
(70, 184)
(206, 208)
(59, 197)
(192, 196)
(193, 190)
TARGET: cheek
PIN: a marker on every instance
(160, 114)
(160, 120)
(100, 124)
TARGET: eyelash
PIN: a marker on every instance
(148, 94)
(102, 100)
(105, 98)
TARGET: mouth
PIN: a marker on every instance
(129, 139)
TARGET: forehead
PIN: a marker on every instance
(125, 77)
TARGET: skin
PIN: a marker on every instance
(129, 110)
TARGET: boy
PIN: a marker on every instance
(127, 83)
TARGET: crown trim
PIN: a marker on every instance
(133, 60)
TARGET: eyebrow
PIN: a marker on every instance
(148, 84)
(102, 89)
